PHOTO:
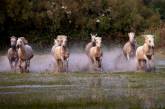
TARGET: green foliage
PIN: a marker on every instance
(41, 20)
(158, 6)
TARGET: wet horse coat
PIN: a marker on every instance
(90, 44)
(95, 53)
(25, 54)
(60, 52)
(12, 53)
(129, 49)
(145, 54)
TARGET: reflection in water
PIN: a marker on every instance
(119, 90)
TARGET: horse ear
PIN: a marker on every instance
(145, 37)
(93, 37)
(13, 37)
(91, 34)
(96, 34)
(24, 40)
(55, 41)
(129, 35)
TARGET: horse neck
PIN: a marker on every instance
(14, 48)
(64, 47)
(98, 48)
(133, 45)
(146, 48)
(22, 48)
(93, 43)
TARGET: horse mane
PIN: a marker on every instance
(93, 44)
(133, 46)
(14, 48)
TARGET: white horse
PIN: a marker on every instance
(129, 49)
(145, 54)
(12, 53)
(60, 52)
(25, 54)
(95, 53)
(90, 44)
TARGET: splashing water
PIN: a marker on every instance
(113, 60)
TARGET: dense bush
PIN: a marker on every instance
(41, 20)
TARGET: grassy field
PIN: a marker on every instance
(82, 90)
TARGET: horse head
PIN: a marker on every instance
(62, 39)
(149, 40)
(131, 37)
(21, 42)
(13, 41)
(98, 41)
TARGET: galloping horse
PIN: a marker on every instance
(25, 54)
(90, 44)
(95, 53)
(60, 52)
(129, 48)
(12, 53)
(145, 53)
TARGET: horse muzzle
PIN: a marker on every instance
(18, 46)
(13, 46)
(151, 47)
(151, 50)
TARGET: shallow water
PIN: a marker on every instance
(112, 61)
(115, 89)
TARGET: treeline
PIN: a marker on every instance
(41, 20)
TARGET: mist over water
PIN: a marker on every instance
(112, 60)
(4, 64)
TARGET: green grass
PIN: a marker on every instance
(81, 90)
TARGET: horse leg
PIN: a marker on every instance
(101, 67)
(139, 65)
(144, 65)
(58, 65)
(16, 64)
(150, 66)
(95, 63)
(62, 65)
(99, 64)
(67, 65)
(128, 57)
(28, 65)
(10, 62)
(20, 66)
(25, 66)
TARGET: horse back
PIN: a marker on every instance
(12, 54)
(29, 51)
